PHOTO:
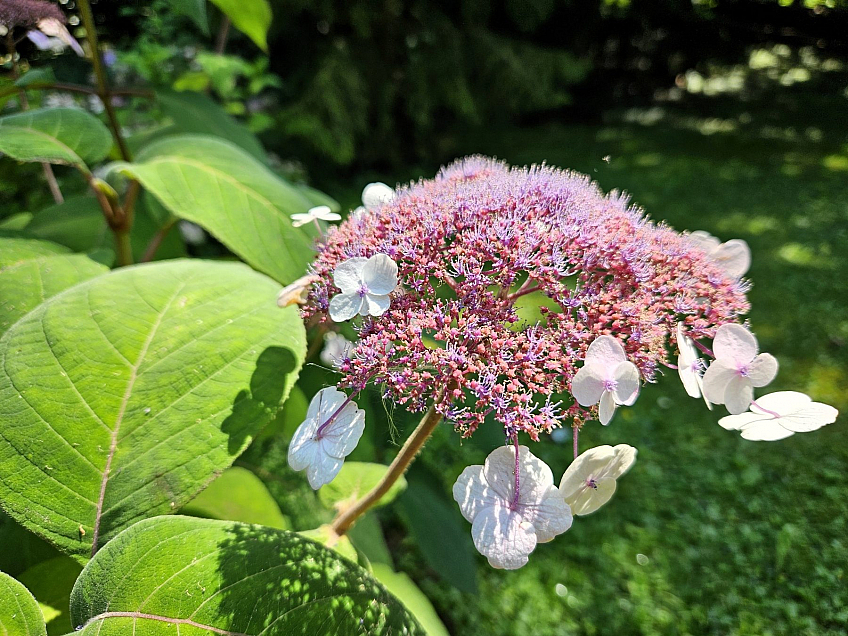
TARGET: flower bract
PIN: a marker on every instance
(365, 285)
(590, 480)
(778, 415)
(607, 377)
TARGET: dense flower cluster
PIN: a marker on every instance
(470, 244)
(28, 12)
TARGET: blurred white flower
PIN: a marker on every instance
(366, 284)
(778, 415)
(373, 196)
(296, 293)
(606, 377)
(689, 366)
(322, 212)
(336, 349)
(330, 432)
(737, 369)
(590, 480)
(734, 256)
(192, 233)
(506, 527)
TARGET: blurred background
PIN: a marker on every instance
(729, 116)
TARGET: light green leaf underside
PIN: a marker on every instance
(413, 598)
(51, 583)
(19, 613)
(238, 495)
(55, 135)
(251, 17)
(196, 113)
(353, 481)
(32, 271)
(238, 200)
(217, 577)
(162, 373)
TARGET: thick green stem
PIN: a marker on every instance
(345, 519)
(124, 248)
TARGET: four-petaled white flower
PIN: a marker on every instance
(737, 369)
(330, 432)
(506, 528)
(689, 366)
(336, 349)
(366, 284)
(322, 212)
(589, 481)
(607, 377)
(734, 256)
(778, 415)
(374, 195)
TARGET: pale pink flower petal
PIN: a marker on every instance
(605, 351)
(762, 370)
(607, 408)
(588, 384)
(380, 274)
(738, 395)
(627, 383)
(734, 343)
(503, 538)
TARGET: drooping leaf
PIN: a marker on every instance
(412, 597)
(19, 613)
(251, 17)
(78, 223)
(43, 74)
(124, 396)
(226, 191)
(438, 529)
(16, 222)
(51, 583)
(206, 576)
(238, 495)
(55, 135)
(196, 113)
(32, 271)
(353, 481)
(193, 9)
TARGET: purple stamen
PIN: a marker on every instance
(363, 290)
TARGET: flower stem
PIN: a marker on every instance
(765, 410)
(516, 495)
(344, 520)
(576, 432)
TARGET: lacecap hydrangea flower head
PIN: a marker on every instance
(433, 277)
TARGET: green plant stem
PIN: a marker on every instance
(78, 88)
(345, 519)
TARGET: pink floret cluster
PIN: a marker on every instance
(482, 239)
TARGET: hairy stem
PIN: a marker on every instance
(576, 432)
(344, 520)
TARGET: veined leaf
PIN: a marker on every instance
(32, 271)
(238, 495)
(196, 113)
(353, 481)
(412, 597)
(251, 17)
(218, 577)
(124, 396)
(19, 613)
(55, 135)
(226, 191)
(51, 582)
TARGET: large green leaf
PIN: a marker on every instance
(55, 135)
(32, 271)
(354, 480)
(124, 396)
(238, 200)
(238, 495)
(29, 549)
(197, 576)
(19, 613)
(51, 582)
(251, 17)
(197, 113)
(193, 9)
(413, 598)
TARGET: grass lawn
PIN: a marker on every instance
(708, 533)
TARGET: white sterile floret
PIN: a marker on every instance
(52, 35)
(737, 369)
(330, 432)
(506, 528)
(606, 377)
(366, 284)
(734, 256)
(376, 194)
(322, 212)
(778, 415)
(336, 349)
(589, 481)
(689, 366)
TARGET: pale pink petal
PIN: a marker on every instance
(762, 370)
(704, 240)
(346, 306)
(734, 345)
(342, 435)
(607, 408)
(550, 516)
(588, 464)
(781, 402)
(734, 257)
(765, 430)
(605, 351)
(473, 493)
(535, 476)
(689, 377)
(588, 499)
(377, 305)
(627, 383)
(625, 457)
(323, 470)
(348, 275)
(810, 418)
(715, 381)
(376, 194)
(587, 385)
(302, 449)
(738, 395)
(380, 274)
(503, 537)
(738, 422)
